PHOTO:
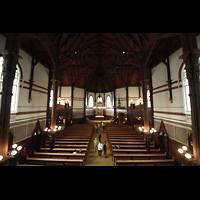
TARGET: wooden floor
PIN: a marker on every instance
(92, 157)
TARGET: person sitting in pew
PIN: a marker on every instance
(75, 152)
(80, 151)
(116, 147)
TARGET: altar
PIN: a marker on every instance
(99, 111)
(99, 108)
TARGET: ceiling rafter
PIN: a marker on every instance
(122, 55)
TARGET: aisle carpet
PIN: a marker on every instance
(93, 158)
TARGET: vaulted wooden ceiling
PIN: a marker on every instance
(100, 62)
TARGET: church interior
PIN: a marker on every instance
(137, 92)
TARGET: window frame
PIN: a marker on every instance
(16, 84)
(91, 101)
(185, 89)
(108, 106)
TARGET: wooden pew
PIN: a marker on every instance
(61, 155)
(163, 162)
(123, 146)
(129, 142)
(126, 138)
(74, 138)
(134, 156)
(59, 150)
(70, 145)
(55, 161)
(70, 142)
(135, 151)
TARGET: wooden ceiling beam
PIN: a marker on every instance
(151, 41)
(167, 35)
(135, 41)
(127, 44)
(65, 41)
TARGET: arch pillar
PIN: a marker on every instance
(12, 50)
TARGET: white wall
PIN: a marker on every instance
(133, 93)
(23, 122)
(120, 94)
(66, 95)
(161, 99)
(177, 123)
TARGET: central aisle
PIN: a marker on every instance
(92, 157)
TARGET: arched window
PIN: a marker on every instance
(108, 101)
(16, 85)
(99, 99)
(186, 90)
(15, 90)
(51, 99)
(148, 99)
(91, 101)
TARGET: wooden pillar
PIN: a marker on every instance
(145, 83)
(54, 105)
(12, 46)
(72, 101)
(95, 99)
(87, 99)
(114, 94)
(151, 100)
(48, 114)
(127, 98)
(190, 57)
(33, 64)
(84, 111)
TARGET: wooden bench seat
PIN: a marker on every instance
(135, 151)
(127, 139)
(127, 143)
(71, 139)
(123, 146)
(70, 145)
(163, 162)
(57, 150)
(55, 161)
(125, 136)
(60, 155)
(25, 165)
(68, 142)
(135, 156)
(64, 155)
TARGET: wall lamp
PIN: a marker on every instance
(183, 151)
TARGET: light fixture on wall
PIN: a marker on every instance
(142, 129)
(16, 149)
(59, 100)
(183, 151)
(57, 128)
(140, 100)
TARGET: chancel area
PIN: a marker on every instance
(136, 93)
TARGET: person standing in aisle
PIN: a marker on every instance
(96, 127)
(99, 135)
(100, 148)
(105, 149)
(95, 144)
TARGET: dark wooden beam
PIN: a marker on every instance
(12, 46)
(33, 64)
(190, 57)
